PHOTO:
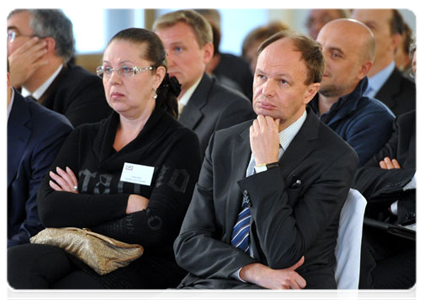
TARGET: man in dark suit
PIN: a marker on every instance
(205, 104)
(390, 181)
(34, 136)
(285, 175)
(231, 70)
(40, 44)
(386, 82)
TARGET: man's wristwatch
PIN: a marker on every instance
(265, 167)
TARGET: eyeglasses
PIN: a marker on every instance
(11, 35)
(106, 72)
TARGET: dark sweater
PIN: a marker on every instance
(364, 123)
(165, 144)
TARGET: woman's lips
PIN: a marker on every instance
(116, 95)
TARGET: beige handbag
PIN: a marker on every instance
(100, 252)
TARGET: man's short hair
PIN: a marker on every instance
(52, 23)
(311, 53)
(414, 45)
(397, 22)
(407, 38)
(201, 27)
(6, 64)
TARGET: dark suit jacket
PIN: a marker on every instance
(34, 136)
(77, 94)
(213, 107)
(288, 220)
(398, 93)
(237, 69)
(383, 187)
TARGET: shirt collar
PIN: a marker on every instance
(40, 91)
(287, 135)
(187, 95)
(285, 138)
(379, 79)
(9, 107)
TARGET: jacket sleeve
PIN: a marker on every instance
(369, 134)
(374, 182)
(42, 157)
(61, 209)
(198, 247)
(160, 223)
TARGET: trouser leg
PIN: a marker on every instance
(34, 266)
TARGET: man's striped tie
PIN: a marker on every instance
(241, 231)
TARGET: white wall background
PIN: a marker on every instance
(93, 33)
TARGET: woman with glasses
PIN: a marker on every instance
(90, 185)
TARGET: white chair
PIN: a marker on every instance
(348, 248)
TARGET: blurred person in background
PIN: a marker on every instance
(40, 43)
(386, 82)
(257, 36)
(317, 18)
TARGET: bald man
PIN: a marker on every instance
(386, 82)
(363, 122)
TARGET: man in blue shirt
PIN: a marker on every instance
(386, 82)
(365, 123)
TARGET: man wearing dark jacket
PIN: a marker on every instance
(364, 123)
(386, 82)
(34, 137)
(388, 181)
(40, 44)
(205, 105)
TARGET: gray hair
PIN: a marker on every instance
(52, 23)
(415, 44)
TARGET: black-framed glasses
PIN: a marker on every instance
(106, 72)
(12, 35)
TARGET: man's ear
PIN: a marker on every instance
(365, 68)
(311, 91)
(396, 41)
(208, 50)
(50, 44)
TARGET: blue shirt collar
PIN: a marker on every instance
(378, 80)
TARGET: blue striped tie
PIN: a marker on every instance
(241, 231)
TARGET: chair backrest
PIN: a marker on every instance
(348, 248)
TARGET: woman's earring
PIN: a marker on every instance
(155, 94)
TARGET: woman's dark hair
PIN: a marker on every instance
(170, 88)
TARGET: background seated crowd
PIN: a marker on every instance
(252, 156)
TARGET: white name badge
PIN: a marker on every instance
(137, 174)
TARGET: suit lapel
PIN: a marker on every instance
(192, 113)
(241, 158)
(301, 146)
(18, 134)
(390, 89)
(51, 89)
